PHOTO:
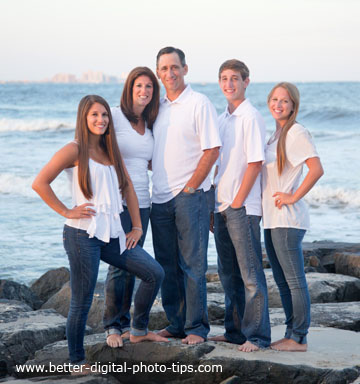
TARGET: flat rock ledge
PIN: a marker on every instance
(333, 357)
(323, 288)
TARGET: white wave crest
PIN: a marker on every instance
(21, 186)
(9, 125)
(335, 197)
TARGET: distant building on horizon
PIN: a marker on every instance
(92, 77)
(63, 78)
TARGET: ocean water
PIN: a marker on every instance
(38, 119)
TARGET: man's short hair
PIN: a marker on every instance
(235, 65)
(168, 50)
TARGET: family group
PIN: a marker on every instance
(180, 139)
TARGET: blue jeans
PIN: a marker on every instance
(119, 285)
(84, 255)
(237, 239)
(180, 229)
(283, 247)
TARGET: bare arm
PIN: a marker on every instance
(313, 175)
(66, 157)
(203, 168)
(251, 173)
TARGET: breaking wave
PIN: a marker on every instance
(10, 125)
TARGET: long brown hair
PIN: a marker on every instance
(108, 144)
(295, 98)
(151, 110)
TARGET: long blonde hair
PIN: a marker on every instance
(108, 144)
(295, 98)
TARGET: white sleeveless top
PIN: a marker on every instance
(106, 198)
(136, 151)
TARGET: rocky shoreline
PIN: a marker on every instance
(33, 319)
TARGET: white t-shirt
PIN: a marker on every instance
(299, 147)
(243, 136)
(136, 151)
(183, 129)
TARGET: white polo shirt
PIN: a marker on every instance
(299, 147)
(243, 136)
(183, 129)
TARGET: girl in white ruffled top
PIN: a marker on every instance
(93, 230)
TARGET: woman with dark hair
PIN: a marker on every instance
(285, 215)
(133, 122)
(93, 230)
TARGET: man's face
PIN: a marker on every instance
(232, 85)
(171, 72)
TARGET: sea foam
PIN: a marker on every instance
(21, 185)
(334, 197)
(9, 125)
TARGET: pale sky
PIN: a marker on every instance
(293, 40)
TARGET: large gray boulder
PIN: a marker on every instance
(323, 288)
(50, 283)
(348, 263)
(24, 331)
(332, 357)
(11, 290)
(320, 255)
(61, 303)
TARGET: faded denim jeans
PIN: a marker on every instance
(180, 229)
(237, 238)
(283, 247)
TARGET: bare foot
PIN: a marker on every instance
(248, 347)
(83, 370)
(151, 336)
(193, 339)
(278, 341)
(114, 341)
(219, 338)
(125, 335)
(165, 333)
(290, 345)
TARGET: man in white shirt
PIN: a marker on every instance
(186, 145)
(238, 213)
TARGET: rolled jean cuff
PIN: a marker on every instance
(299, 339)
(125, 329)
(112, 331)
(138, 332)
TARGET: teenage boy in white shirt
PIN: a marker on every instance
(238, 213)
